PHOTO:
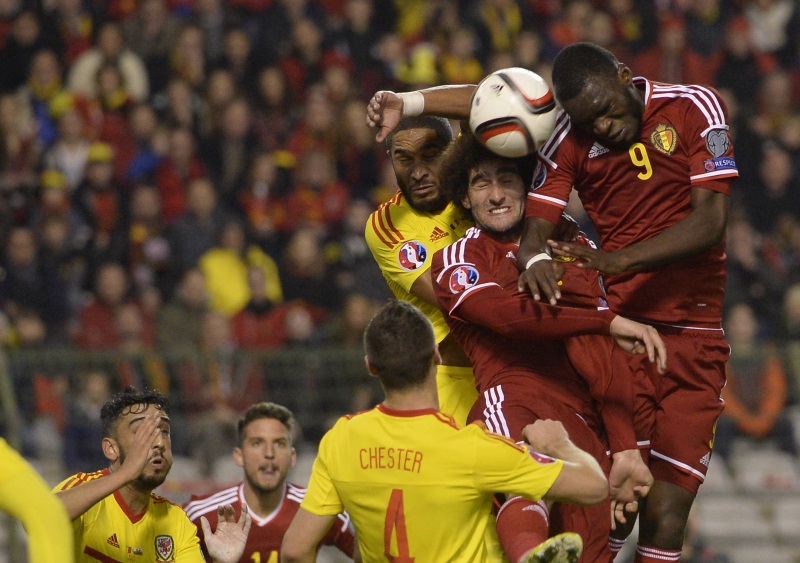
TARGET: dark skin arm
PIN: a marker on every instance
(699, 231)
(385, 108)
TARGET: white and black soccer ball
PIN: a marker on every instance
(512, 112)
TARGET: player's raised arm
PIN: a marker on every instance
(386, 108)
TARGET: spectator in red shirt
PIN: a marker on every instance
(174, 173)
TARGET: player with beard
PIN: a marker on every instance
(115, 514)
(266, 455)
(406, 231)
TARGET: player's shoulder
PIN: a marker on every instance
(690, 100)
(295, 493)
(464, 249)
(202, 505)
(386, 225)
(478, 431)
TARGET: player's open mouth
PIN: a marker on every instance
(157, 461)
(499, 210)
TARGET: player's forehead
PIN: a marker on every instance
(491, 167)
(416, 140)
(266, 428)
(134, 414)
(595, 99)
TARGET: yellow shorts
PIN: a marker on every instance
(457, 394)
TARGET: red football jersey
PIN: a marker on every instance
(266, 534)
(632, 195)
(509, 337)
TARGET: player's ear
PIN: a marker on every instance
(110, 449)
(625, 75)
(294, 457)
(465, 203)
(237, 456)
(370, 369)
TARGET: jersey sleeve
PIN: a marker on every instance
(554, 176)
(503, 466)
(342, 535)
(187, 548)
(321, 497)
(391, 236)
(467, 290)
(709, 146)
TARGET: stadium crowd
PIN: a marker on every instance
(194, 176)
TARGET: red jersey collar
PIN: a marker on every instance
(404, 413)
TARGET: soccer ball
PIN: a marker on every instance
(512, 112)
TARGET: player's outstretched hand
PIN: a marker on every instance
(384, 111)
(629, 481)
(542, 279)
(226, 544)
(588, 257)
(638, 338)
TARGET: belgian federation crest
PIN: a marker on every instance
(412, 255)
(463, 278)
(664, 138)
(165, 548)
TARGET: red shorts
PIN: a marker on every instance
(687, 403)
(506, 410)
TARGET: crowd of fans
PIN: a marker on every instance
(194, 176)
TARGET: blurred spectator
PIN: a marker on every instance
(116, 104)
(26, 39)
(137, 364)
(96, 324)
(147, 250)
(304, 64)
(740, 67)
(636, 23)
(757, 389)
(180, 166)
(753, 276)
(219, 92)
(151, 32)
(318, 128)
(237, 57)
(359, 156)
(148, 145)
(225, 269)
(216, 388)
(187, 58)
(195, 232)
(356, 269)
(306, 275)
(180, 321)
(76, 26)
(771, 21)
(70, 151)
(774, 103)
(776, 191)
(318, 200)
(671, 60)
(706, 21)
(84, 431)
(60, 252)
(29, 283)
(54, 201)
(43, 85)
(459, 62)
(275, 116)
(359, 36)
(213, 18)
(228, 153)
(347, 328)
(18, 149)
(98, 199)
(257, 326)
(109, 48)
(261, 202)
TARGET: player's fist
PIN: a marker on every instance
(546, 436)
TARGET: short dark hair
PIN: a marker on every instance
(129, 397)
(576, 64)
(399, 342)
(265, 410)
(464, 154)
(440, 126)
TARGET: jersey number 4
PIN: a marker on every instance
(396, 521)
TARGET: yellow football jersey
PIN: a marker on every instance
(403, 242)
(25, 495)
(109, 531)
(416, 486)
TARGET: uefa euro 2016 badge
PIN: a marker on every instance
(463, 278)
(165, 548)
(412, 255)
